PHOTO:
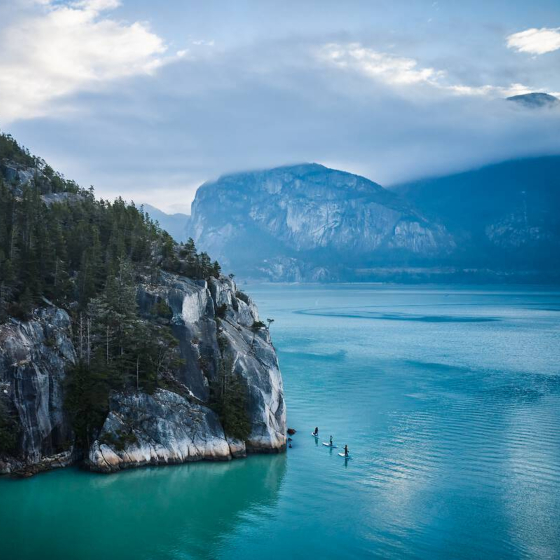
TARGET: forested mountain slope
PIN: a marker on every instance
(99, 308)
(503, 216)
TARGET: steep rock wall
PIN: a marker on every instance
(310, 223)
(34, 356)
(140, 429)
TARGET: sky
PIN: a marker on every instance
(147, 100)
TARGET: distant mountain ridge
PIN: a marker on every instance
(175, 224)
(311, 223)
(503, 215)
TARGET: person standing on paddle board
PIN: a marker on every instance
(316, 432)
(330, 442)
(346, 450)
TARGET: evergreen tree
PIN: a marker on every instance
(228, 397)
(9, 428)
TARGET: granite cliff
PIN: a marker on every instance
(308, 222)
(167, 426)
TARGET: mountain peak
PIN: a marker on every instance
(535, 100)
(308, 221)
(304, 181)
(296, 169)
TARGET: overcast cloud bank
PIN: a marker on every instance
(142, 111)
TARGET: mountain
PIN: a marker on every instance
(309, 222)
(535, 100)
(175, 225)
(503, 216)
(118, 347)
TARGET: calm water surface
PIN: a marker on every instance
(448, 399)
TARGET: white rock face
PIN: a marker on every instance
(194, 305)
(255, 361)
(416, 238)
(163, 428)
(166, 427)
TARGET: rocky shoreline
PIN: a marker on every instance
(173, 424)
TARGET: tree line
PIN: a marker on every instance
(86, 256)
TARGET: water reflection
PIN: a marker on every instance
(185, 511)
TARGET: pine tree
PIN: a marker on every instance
(216, 269)
(228, 397)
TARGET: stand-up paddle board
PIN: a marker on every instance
(315, 435)
(345, 456)
(329, 445)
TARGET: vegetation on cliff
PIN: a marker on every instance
(8, 429)
(59, 244)
(228, 397)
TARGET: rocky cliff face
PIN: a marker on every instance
(309, 222)
(34, 356)
(170, 426)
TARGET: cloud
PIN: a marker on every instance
(402, 71)
(389, 68)
(535, 41)
(390, 105)
(245, 108)
(492, 91)
(203, 42)
(53, 50)
(94, 5)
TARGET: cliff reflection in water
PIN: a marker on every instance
(180, 511)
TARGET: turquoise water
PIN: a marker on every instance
(449, 401)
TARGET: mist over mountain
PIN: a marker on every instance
(311, 223)
(503, 215)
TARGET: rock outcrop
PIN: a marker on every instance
(163, 428)
(169, 426)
